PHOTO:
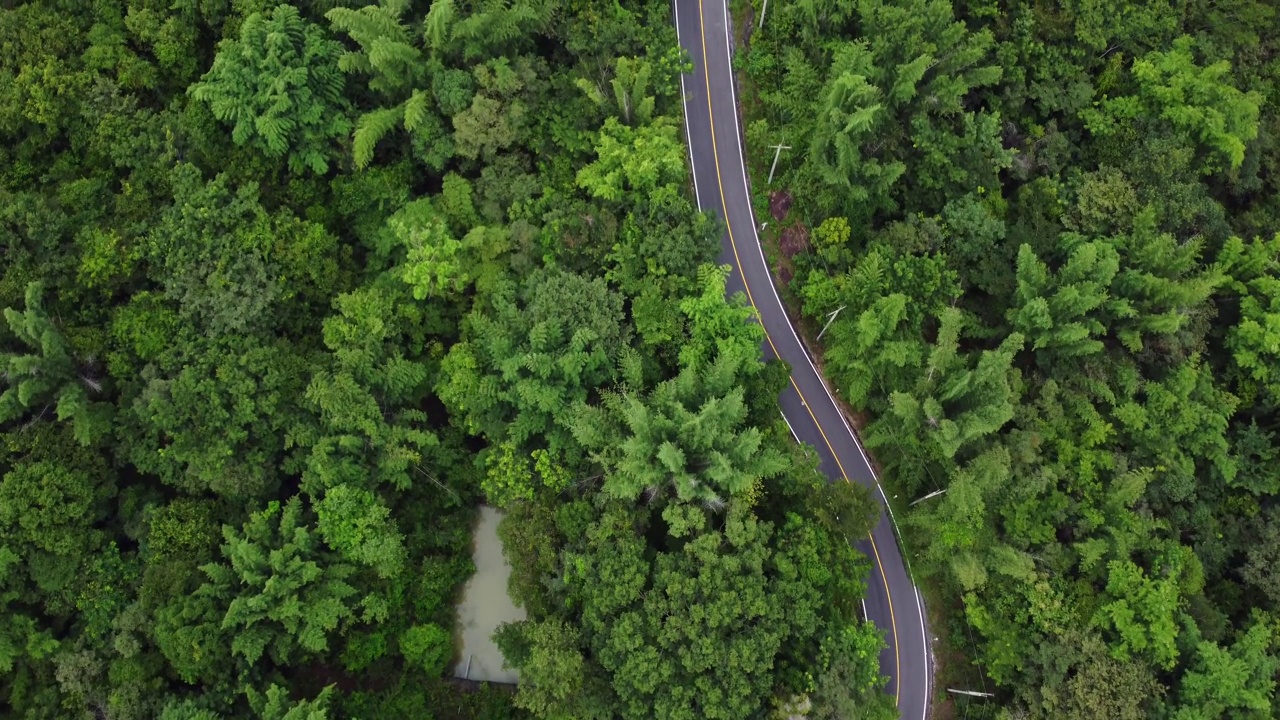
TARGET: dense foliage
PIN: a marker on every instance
(1052, 228)
(291, 288)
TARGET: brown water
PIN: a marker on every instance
(485, 605)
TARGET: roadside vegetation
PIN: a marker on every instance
(1051, 232)
(292, 288)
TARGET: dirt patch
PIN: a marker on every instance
(794, 240)
(784, 275)
(780, 204)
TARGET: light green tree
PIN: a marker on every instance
(634, 160)
(720, 326)
(275, 704)
(357, 524)
(1201, 101)
(630, 85)
(687, 437)
(1233, 683)
(1141, 612)
(428, 647)
(1059, 311)
(283, 596)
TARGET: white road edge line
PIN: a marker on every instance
(684, 105)
(742, 165)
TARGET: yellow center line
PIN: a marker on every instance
(702, 31)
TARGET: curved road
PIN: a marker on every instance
(720, 182)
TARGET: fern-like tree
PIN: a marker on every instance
(280, 88)
(953, 402)
(389, 54)
(892, 102)
(48, 374)
(531, 354)
(369, 430)
(482, 29)
(283, 593)
(275, 704)
(1253, 275)
(1059, 311)
(689, 436)
(630, 85)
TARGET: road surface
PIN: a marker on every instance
(715, 147)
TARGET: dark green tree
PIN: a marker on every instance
(279, 87)
(50, 374)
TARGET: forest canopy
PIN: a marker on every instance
(1054, 231)
(291, 288)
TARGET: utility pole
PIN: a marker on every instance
(971, 692)
(763, 7)
(935, 493)
(777, 151)
(831, 317)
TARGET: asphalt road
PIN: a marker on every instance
(715, 145)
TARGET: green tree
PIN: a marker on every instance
(21, 636)
(1200, 101)
(229, 266)
(663, 633)
(357, 524)
(831, 240)
(530, 354)
(1262, 566)
(557, 681)
(50, 374)
(428, 647)
(499, 111)
(280, 88)
(282, 596)
(387, 52)
(1236, 683)
(53, 494)
(1098, 685)
(848, 685)
(370, 430)
(688, 435)
(634, 161)
(216, 416)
